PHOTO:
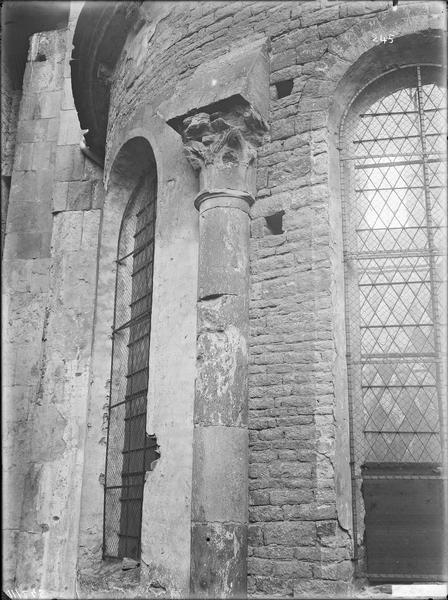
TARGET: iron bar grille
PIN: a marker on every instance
(128, 451)
(393, 169)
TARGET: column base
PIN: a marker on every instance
(218, 560)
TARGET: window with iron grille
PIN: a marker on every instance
(393, 171)
(129, 448)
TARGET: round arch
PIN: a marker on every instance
(415, 43)
(425, 47)
(133, 160)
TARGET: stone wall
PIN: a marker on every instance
(57, 321)
(10, 101)
(49, 291)
(300, 514)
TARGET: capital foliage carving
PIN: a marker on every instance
(223, 143)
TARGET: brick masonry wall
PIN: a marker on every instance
(298, 544)
(299, 531)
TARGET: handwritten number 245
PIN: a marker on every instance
(381, 38)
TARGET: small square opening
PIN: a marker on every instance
(274, 223)
(284, 88)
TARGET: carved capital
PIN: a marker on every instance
(222, 146)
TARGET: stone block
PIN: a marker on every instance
(26, 245)
(283, 60)
(272, 587)
(90, 227)
(78, 272)
(67, 230)
(292, 72)
(309, 512)
(16, 276)
(257, 498)
(335, 554)
(315, 588)
(257, 227)
(223, 272)
(17, 400)
(69, 128)
(29, 106)
(335, 28)
(53, 129)
(67, 95)
(219, 565)
(69, 163)
(363, 8)
(311, 51)
(40, 276)
(320, 16)
(292, 568)
(10, 553)
(339, 571)
(326, 528)
(60, 193)
(276, 552)
(265, 514)
(289, 534)
(295, 39)
(8, 361)
(282, 129)
(308, 105)
(255, 535)
(41, 47)
(43, 153)
(44, 188)
(28, 216)
(49, 104)
(27, 359)
(23, 159)
(289, 469)
(98, 195)
(32, 130)
(282, 497)
(219, 490)
(79, 196)
(46, 75)
(243, 72)
(259, 566)
(307, 553)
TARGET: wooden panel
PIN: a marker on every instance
(405, 530)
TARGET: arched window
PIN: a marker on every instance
(130, 450)
(393, 171)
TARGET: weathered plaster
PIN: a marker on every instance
(167, 495)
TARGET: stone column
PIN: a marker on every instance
(222, 147)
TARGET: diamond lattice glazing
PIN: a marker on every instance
(126, 449)
(395, 244)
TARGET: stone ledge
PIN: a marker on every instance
(242, 74)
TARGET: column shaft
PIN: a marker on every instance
(220, 453)
(221, 146)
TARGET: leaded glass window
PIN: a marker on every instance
(393, 151)
(129, 448)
